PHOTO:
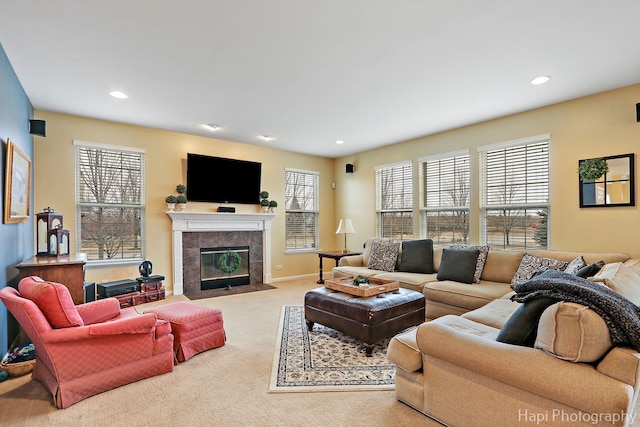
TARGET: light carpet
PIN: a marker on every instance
(325, 359)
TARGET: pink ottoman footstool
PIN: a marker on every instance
(195, 328)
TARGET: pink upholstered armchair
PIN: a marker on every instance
(90, 348)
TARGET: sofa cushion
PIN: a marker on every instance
(417, 256)
(495, 314)
(53, 299)
(413, 281)
(573, 332)
(463, 296)
(482, 258)
(384, 256)
(575, 265)
(501, 266)
(531, 263)
(403, 351)
(620, 278)
(522, 326)
(458, 265)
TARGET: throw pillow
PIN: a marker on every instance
(417, 256)
(590, 270)
(384, 256)
(482, 258)
(521, 328)
(573, 332)
(575, 265)
(621, 279)
(531, 263)
(53, 299)
(458, 265)
(366, 254)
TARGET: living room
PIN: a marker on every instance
(600, 124)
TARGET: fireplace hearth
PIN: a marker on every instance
(224, 267)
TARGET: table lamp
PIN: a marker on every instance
(345, 227)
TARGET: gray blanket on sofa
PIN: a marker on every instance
(621, 315)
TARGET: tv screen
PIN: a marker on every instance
(221, 180)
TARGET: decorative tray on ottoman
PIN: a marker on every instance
(374, 287)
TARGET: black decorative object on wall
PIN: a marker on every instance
(638, 112)
(38, 127)
(616, 187)
(349, 168)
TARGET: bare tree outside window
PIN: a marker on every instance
(445, 191)
(301, 210)
(394, 200)
(110, 203)
(515, 185)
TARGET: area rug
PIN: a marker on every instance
(325, 359)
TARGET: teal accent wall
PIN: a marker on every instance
(16, 240)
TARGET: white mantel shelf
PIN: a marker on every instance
(184, 222)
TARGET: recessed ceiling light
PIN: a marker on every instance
(339, 142)
(266, 137)
(118, 94)
(211, 126)
(540, 80)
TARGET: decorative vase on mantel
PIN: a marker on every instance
(273, 205)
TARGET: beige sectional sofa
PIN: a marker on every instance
(454, 370)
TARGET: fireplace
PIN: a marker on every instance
(224, 267)
(195, 230)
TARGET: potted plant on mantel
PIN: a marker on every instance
(592, 169)
(181, 202)
(171, 202)
(264, 201)
(272, 206)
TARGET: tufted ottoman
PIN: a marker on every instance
(367, 319)
(195, 328)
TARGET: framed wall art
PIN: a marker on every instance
(607, 181)
(17, 185)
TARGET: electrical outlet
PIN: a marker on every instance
(279, 267)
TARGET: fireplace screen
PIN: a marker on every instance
(224, 267)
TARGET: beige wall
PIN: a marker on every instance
(599, 125)
(165, 159)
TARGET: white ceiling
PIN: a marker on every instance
(369, 72)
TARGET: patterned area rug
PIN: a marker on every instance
(325, 359)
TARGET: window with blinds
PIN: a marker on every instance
(445, 197)
(394, 201)
(110, 203)
(301, 210)
(515, 193)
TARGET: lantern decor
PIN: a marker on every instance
(52, 239)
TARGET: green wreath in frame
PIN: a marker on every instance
(229, 262)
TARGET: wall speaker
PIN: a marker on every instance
(638, 112)
(349, 168)
(89, 291)
(37, 127)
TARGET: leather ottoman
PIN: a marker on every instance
(195, 328)
(368, 319)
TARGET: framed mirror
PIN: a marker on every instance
(616, 187)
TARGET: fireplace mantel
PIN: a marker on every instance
(185, 222)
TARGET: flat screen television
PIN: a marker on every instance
(222, 180)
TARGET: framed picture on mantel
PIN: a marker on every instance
(615, 187)
(17, 184)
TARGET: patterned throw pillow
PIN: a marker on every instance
(383, 256)
(575, 265)
(482, 258)
(531, 263)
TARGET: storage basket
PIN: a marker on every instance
(19, 368)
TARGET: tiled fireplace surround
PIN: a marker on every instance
(195, 230)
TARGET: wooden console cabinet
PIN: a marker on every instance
(68, 270)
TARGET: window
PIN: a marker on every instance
(394, 201)
(110, 203)
(515, 193)
(301, 210)
(444, 194)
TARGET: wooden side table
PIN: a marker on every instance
(67, 270)
(335, 255)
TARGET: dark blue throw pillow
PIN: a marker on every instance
(417, 256)
(458, 265)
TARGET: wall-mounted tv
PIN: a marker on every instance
(222, 180)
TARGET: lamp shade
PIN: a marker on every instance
(345, 227)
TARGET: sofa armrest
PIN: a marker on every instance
(623, 364)
(351, 261)
(472, 346)
(99, 311)
(142, 324)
